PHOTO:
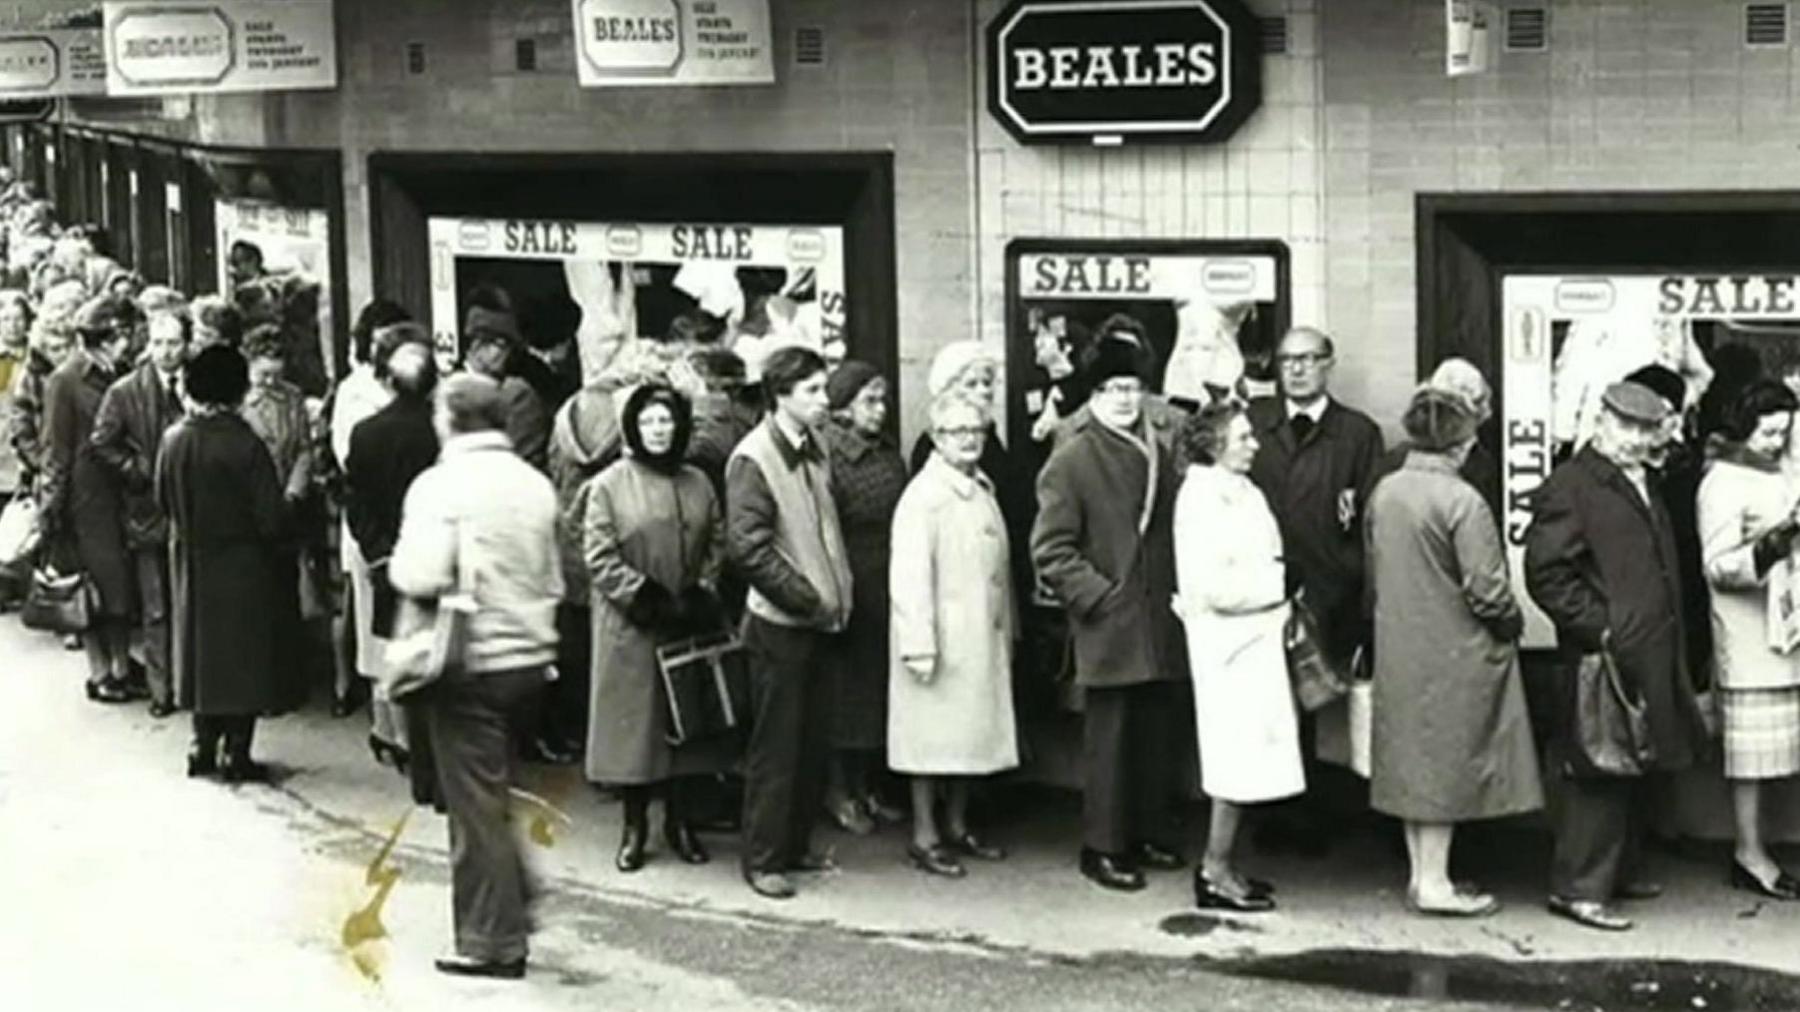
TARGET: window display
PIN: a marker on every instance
(275, 264)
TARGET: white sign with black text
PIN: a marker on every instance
(157, 48)
(649, 43)
(51, 62)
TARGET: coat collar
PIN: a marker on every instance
(965, 485)
(465, 443)
(791, 455)
(1609, 474)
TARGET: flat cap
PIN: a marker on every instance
(1636, 402)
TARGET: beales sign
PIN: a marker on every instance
(1107, 70)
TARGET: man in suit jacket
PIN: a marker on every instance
(134, 414)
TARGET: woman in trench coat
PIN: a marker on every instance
(654, 542)
(1452, 740)
(950, 705)
(1234, 605)
(234, 613)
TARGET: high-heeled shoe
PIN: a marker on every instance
(387, 753)
(1209, 895)
(631, 849)
(1785, 886)
(684, 844)
(108, 690)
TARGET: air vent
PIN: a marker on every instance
(525, 54)
(1274, 35)
(415, 57)
(1527, 29)
(809, 47)
(1765, 24)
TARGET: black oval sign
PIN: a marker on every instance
(1107, 70)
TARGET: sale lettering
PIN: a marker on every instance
(1728, 295)
(540, 237)
(1165, 65)
(1527, 465)
(713, 242)
(1087, 275)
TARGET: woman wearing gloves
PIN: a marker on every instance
(652, 536)
(950, 707)
(1233, 603)
(1748, 523)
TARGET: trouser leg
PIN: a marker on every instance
(239, 732)
(207, 732)
(816, 654)
(152, 566)
(1150, 740)
(772, 757)
(1105, 808)
(469, 718)
(1592, 831)
(566, 723)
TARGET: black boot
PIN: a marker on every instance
(203, 752)
(631, 842)
(238, 767)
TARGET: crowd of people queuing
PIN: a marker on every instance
(218, 511)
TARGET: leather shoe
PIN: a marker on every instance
(464, 966)
(631, 850)
(1110, 871)
(812, 862)
(973, 846)
(202, 762)
(935, 860)
(1208, 896)
(243, 771)
(684, 844)
(160, 708)
(770, 885)
(108, 690)
(547, 753)
(1156, 857)
(1589, 914)
(849, 816)
(1638, 889)
(1785, 887)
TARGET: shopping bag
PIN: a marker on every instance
(57, 603)
(1345, 732)
(1317, 682)
(706, 681)
(19, 533)
(1611, 736)
(430, 638)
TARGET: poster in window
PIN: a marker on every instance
(596, 286)
(274, 263)
(1567, 337)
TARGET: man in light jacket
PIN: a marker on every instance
(483, 520)
(782, 533)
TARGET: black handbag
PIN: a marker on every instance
(1317, 682)
(1610, 729)
(706, 680)
(58, 604)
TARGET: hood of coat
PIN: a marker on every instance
(587, 428)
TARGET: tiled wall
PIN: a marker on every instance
(1632, 94)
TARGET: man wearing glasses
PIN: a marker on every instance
(1103, 543)
(1315, 459)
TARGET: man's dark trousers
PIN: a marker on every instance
(784, 765)
(1600, 827)
(152, 568)
(1126, 766)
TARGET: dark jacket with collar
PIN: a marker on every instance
(1599, 558)
(782, 533)
(387, 451)
(1305, 482)
(128, 432)
(1117, 584)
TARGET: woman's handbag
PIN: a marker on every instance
(1317, 682)
(58, 604)
(706, 680)
(1611, 730)
(19, 533)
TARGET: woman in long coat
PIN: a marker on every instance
(80, 499)
(1747, 511)
(950, 706)
(1452, 739)
(234, 613)
(654, 544)
(867, 477)
(1234, 605)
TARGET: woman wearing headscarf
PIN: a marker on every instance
(15, 352)
(1748, 524)
(950, 686)
(233, 611)
(1452, 738)
(867, 477)
(653, 538)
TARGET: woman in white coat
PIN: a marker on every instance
(1231, 597)
(950, 707)
(1748, 521)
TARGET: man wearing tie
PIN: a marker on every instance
(128, 431)
(1314, 462)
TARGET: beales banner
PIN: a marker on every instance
(647, 43)
(51, 62)
(159, 48)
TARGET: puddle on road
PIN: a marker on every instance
(1575, 986)
(1200, 925)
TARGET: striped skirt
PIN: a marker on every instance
(1762, 733)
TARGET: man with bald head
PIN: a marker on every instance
(1315, 460)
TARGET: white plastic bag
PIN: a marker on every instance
(19, 534)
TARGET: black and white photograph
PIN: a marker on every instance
(902, 506)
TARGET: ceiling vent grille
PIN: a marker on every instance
(1527, 29)
(1765, 24)
(1274, 35)
(809, 46)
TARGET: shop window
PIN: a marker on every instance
(274, 262)
(748, 287)
(1211, 311)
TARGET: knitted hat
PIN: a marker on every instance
(1438, 420)
(952, 360)
(847, 380)
(1109, 357)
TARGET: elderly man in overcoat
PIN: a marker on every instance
(1600, 561)
(1103, 544)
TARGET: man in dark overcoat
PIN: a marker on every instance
(128, 432)
(1103, 543)
(1600, 561)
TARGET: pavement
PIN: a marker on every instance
(118, 871)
